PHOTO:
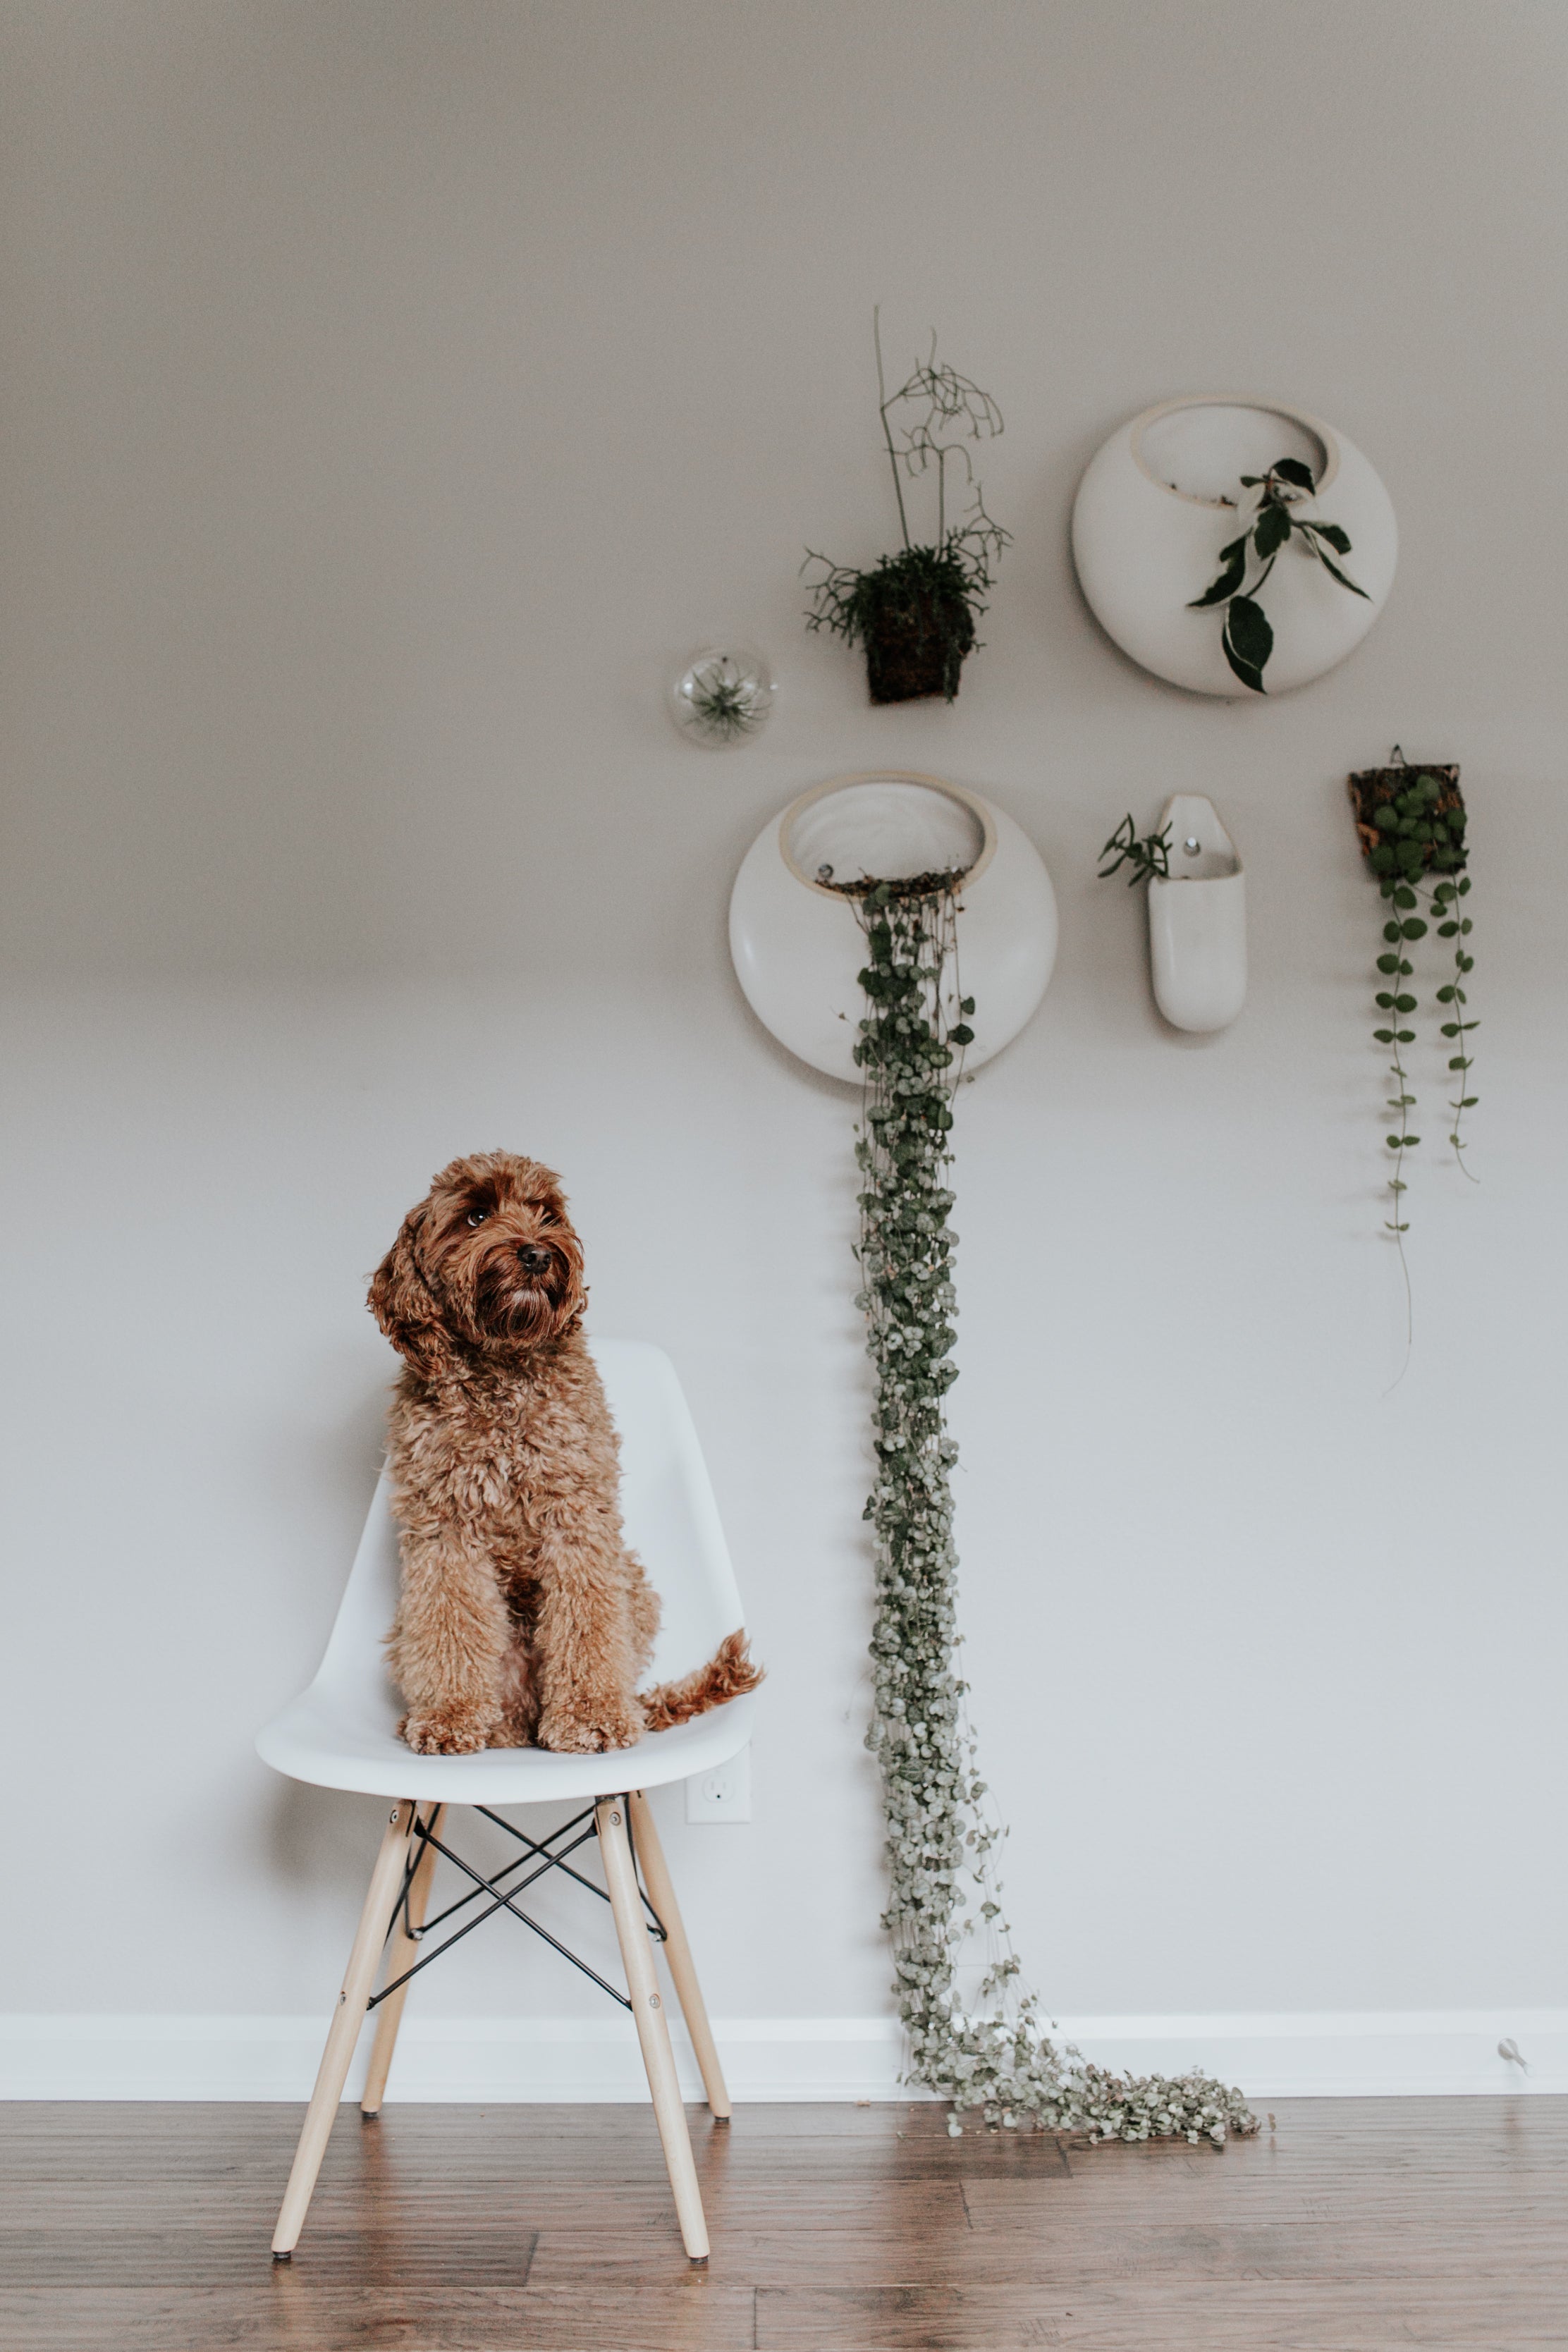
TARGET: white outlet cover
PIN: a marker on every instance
(722, 1794)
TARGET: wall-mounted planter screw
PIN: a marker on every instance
(915, 612)
(1411, 823)
(722, 697)
(1246, 635)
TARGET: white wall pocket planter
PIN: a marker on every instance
(1198, 921)
(798, 949)
(1161, 499)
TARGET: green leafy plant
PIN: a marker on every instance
(726, 706)
(915, 611)
(1412, 822)
(1245, 635)
(1149, 858)
(941, 1833)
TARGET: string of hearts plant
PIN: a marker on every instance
(1411, 822)
(942, 1835)
(1246, 637)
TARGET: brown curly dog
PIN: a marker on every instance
(523, 1620)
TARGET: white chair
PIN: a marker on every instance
(341, 1734)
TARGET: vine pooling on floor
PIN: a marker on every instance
(990, 2054)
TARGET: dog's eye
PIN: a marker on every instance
(477, 1216)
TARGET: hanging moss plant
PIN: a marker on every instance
(1411, 823)
(941, 1837)
(915, 611)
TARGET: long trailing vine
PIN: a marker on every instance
(941, 1834)
(1412, 823)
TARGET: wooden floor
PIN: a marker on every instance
(1353, 2226)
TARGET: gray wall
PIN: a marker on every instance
(393, 391)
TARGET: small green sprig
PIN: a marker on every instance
(1246, 636)
(1149, 858)
(1456, 926)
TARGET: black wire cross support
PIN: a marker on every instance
(539, 1851)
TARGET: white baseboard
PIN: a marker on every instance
(1328, 2053)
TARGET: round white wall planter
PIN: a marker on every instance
(1198, 921)
(799, 951)
(1149, 522)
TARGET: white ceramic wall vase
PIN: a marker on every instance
(1198, 921)
(799, 950)
(1152, 516)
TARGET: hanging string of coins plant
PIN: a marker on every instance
(942, 1835)
(1411, 825)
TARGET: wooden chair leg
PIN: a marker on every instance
(653, 2026)
(402, 1953)
(386, 1883)
(678, 1953)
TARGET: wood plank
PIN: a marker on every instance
(1232, 2318)
(1355, 2226)
(288, 2314)
(377, 2251)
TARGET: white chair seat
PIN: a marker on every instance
(314, 1739)
(342, 1732)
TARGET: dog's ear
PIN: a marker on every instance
(402, 1303)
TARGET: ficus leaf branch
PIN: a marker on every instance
(1246, 635)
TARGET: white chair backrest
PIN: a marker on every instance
(671, 1523)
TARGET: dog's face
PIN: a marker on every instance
(487, 1263)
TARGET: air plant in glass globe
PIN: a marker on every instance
(721, 697)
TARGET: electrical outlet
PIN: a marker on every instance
(723, 1795)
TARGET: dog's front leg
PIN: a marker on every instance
(585, 1644)
(448, 1648)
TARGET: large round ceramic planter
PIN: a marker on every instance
(1164, 495)
(799, 950)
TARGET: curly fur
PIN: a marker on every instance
(524, 1620)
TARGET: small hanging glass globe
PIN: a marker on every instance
(722, 696)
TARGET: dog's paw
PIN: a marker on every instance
(434, 1733)
(590, 1730)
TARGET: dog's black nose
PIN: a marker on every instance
(531, 1259)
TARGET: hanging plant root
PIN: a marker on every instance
(901, 892)
(914, 612)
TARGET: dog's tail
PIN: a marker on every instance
(729, 1673)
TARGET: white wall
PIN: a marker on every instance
(393, 391)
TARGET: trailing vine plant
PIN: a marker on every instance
(915, 611)
(1246, 636)
(1411, 823)
(990, 2054)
